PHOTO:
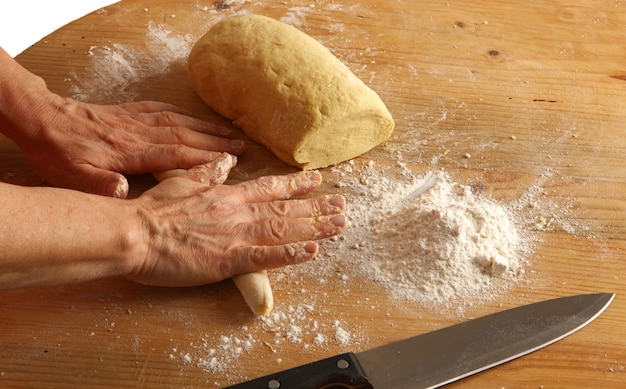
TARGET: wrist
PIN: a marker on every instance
(23, 98)
(133, 239)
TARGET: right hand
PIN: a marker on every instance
(196, 232)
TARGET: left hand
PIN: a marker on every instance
(87, 147)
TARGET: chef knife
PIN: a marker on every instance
(448, 354)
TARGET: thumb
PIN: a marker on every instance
(103, 182)
(214, 172)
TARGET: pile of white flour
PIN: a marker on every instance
(423, 239)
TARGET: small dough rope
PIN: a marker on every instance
(256, 291)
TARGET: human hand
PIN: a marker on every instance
(197, 232)
(88, 147)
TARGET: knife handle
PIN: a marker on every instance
(339, 372)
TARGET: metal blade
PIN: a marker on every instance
(449, 354)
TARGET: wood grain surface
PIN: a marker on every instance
(509, 97)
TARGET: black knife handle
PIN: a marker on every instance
(339, 372)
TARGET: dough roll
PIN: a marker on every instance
(287, 91)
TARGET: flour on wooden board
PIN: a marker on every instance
(299, 325)
(117, 69)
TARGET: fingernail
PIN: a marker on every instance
(338, 220)
(305, 180)
(238, 146)
(223, 162)
(311, 248)
(337, 201)
(314, 175)
(120, 188)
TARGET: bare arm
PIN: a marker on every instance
(88, 147)
(184, 231)
(52, 236)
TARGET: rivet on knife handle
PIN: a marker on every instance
(339, 372)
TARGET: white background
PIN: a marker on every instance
(25, 22)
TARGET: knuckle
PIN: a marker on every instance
(317, 208)
(179, 133)
(267, 184)
(217, 209)
(277, 229)
(225, 268)
(167, 117)
(257, 256)
(279, 209)
(178, 149)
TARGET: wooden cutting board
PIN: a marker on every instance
(510, 98)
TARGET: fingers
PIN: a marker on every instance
(286, 240)
(150, 106)
(280, 230)
(102, 182)
(318, 206)
(255, 258)
(270, 188)
(166, 157)
(211, 173)
(193, 139)
(177, 119)
(167, 124)
(273, 220)
(157, 114)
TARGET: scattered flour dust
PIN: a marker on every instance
(299, 326)
(296, 16)
(117, 69)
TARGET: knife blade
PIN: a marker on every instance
(442, 356)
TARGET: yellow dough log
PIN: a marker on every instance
(254, 287)
(287, 92)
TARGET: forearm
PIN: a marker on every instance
(51, 236)
(21, 94)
